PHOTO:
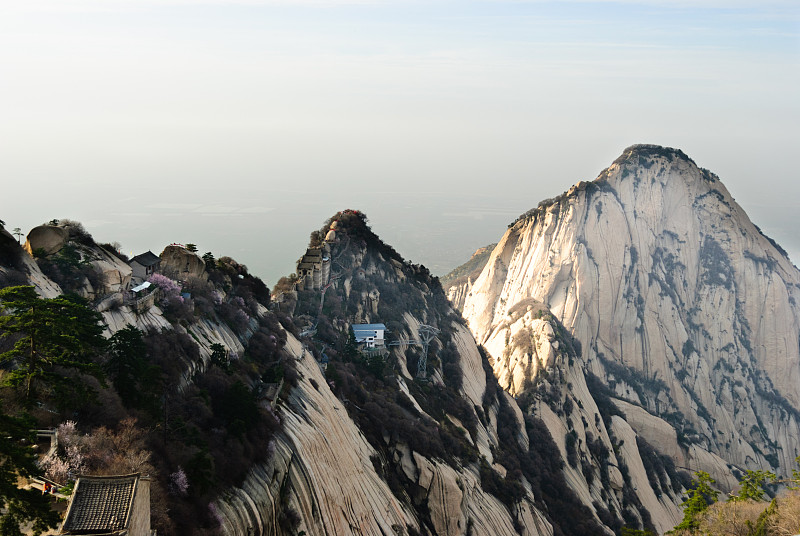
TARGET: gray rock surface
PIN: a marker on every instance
(679, 302)
(48, 238)
(325, 461)
(180, 263)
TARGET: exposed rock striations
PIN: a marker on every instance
(452, 455)
(681, 304)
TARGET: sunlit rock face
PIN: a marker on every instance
(180, 263)
(46, 238)
(681, 305)
(459, 282)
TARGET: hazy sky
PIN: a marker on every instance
(242, 125)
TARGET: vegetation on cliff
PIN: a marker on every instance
(140, 401)
(747, 512)
(366, 271)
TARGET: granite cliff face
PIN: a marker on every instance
(324, 470)
(365, 452)
(364, 445)
(681, 306)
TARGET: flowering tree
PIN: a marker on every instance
(172, 302)
(103, 451)
(178, 482)
(169, 287)
(214, 514)
(63, 467)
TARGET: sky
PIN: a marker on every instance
(241, 126)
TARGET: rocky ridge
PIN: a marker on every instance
(547, 462)
(193, 337)
(681, 305)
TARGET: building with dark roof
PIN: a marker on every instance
(144, 264)
(109, 506)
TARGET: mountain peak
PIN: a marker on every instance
(654, 267)
(646, 150)
(644, 156)
(631, 163)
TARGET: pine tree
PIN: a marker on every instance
(796, 476)
(51, 335)
(699, 498)
(136, 380)
(351, 351)
(219, 357)
(752, 485)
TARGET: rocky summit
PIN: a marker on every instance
(682, 306)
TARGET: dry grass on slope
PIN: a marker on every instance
(781, 517)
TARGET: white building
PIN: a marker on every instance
(370, 335)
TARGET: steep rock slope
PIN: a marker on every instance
(368, 448)
(323, 470)
(681, 304)
(459, 281)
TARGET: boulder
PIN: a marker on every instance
(115, 274)
(48, 238)
(180, 263)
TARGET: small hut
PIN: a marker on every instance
(144, 265)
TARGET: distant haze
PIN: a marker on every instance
(242, 125)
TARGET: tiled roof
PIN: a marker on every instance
(147, 259)
(100, 504)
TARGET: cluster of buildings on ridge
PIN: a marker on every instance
(314, 272)
(314, 268)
